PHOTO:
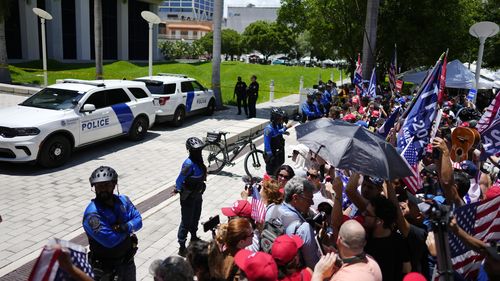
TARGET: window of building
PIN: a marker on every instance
(195, 33)
(184, 32)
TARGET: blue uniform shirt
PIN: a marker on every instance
(310, 110)
(326, 97)
(189, 168)
(270, 132)
(98, 221)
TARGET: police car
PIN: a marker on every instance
(47, 126)
(179, 96)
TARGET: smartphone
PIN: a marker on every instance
(212, 223)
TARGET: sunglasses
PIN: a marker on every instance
(312, 175)
(286, 177)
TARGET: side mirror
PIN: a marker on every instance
(88, 108)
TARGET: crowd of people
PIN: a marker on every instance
(319, 222)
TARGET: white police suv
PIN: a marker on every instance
(179, 96)
(47, 126)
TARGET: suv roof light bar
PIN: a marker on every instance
(173, 74)
(86, 82)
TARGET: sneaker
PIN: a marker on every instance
(182, 251)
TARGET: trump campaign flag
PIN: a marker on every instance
(372, 88)
(46, 267)
(389, 123)
(415, 132)
(489, 128)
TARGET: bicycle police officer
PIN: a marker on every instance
(191, 184)
(109, 222)
(274, 143)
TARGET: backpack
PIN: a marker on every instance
(272, 229)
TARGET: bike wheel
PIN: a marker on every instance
(254, 164)
(214, 157)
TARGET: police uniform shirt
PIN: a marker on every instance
(253, 89)
(240, 88)
(310, 110)
(98, 221)
(271, 132)
(189, 169)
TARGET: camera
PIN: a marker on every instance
(250, 183)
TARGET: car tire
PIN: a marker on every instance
(139, 129)
(179, 116)
(55, 152)
(210, 108)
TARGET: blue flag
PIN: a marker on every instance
(415, 133)
(389, 123)
(372, 88)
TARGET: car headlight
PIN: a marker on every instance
(30, 131)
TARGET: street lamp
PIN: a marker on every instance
(43, 16)
(482, 30)
(151, 18)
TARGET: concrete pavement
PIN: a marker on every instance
(37, 203)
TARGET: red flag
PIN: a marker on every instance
(442, 81)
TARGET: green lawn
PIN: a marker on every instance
(286, 78)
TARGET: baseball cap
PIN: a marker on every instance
(285, 248)
(469, 168)
(240, 208)
(257, 266)
(493, 191)
(414, 276)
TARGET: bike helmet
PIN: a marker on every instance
(103, 174)
(194, 143)
(276, 112)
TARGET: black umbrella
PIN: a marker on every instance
(347, 146)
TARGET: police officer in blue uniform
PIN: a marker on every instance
(110, 221)
(191, 184)
(309, 110)
(274, 143)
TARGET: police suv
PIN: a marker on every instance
(47, 126)
(179, 96)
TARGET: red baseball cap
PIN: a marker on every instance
(257, 266)
(285, 248)
(240, 208)
(414, 276)
(302, 275)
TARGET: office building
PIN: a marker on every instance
(199, 10)
(238, 18)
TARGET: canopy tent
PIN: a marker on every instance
(457, 76)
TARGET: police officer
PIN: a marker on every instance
(190, 184)
(109, 222)
(309, 109)
(252, 94)
(274, 143)
(240, 91)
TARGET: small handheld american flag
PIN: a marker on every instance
(258, 208)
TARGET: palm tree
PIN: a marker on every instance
(4, 65)
(370, 37)
(98, 38)
(216, 53)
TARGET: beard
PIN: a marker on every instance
(103, 196)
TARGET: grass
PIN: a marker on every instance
(286, 78)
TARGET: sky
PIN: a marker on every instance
(257, 3)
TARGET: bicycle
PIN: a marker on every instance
(217, 155)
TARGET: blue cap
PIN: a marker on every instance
(469, 168)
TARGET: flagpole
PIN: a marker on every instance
(426, 80)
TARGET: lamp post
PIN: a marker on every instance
(482, 30)
(43, 16)
(151, 18)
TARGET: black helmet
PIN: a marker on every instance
(103, 174)
(276, 112)
(194, 143)
(467, 114)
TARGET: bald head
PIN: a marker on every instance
(352, 235)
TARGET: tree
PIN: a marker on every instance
(98, 39)
(268, 38)
(231, 42)
(207, 42)
(167, 49)
(491, 56)
(4, 65)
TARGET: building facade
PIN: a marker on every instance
(238, 18)
(70, 34)
(184, 30)
(199, 10)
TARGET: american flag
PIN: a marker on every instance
(389, 123)
(481, 220)
(345, 179)
(414, 183)
(258, 208)
(393, 70)
(47, 268)
(372, 88)
(490, 114)
(358, 77)
(442, 81)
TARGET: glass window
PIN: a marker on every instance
(186, 86)
(197, 86)
(195, 33)
(51, 98)
(169, 89)
(184, 32)
(187, 9)
(116, 96)
(138, 93)
(186, 4)
(97, 99)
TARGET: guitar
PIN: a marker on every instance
(462, 141)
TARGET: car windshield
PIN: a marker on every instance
(57, 99)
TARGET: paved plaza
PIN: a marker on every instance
(37, 203)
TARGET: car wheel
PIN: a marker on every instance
(55, 152)
(139, 129)
(179, 116)
(211, 108)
